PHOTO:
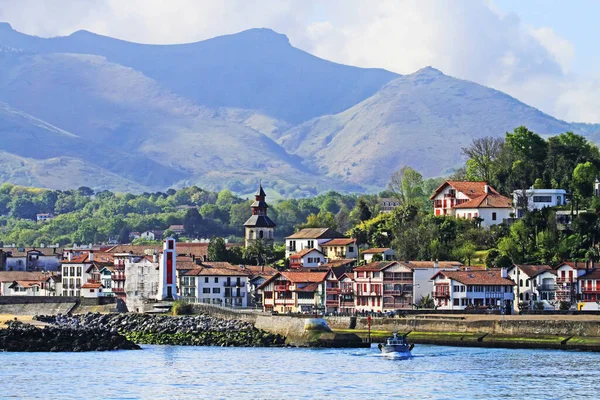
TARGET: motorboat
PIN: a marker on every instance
(396, 346)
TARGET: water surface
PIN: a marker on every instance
(436, 372)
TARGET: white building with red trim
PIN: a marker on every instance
(470, 200)
(567, 280)
(383, 286)
(307, 258)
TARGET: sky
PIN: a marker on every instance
(543, 52)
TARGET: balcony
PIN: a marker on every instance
(441, 293)
(589, 290)
(546, 288)
(234, 294)
(395, 292)
(398, 278)
(118, 277)
(284, 302)
(282, 288)
(332, 303)
(332, 289)
(566, 280)
(346, 290)
(234, 284)
(118, 290)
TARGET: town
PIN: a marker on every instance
(325, 272)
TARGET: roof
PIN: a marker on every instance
(469, 189)
(490, 200)
(593, 274)
(316, 233)
(311, 287)
(260, 270)
(176, 228)
(340, 262)
(533, 270)
(25, 284)
(339, 242)
(98, 258)
(10, 276)
(260, 221)
(259, 204)
(299, 277)
(215, 271)
(90, 285)
(375, 266)
(303, 252)
(260, 191)
(573, 264)
(484, 277)
(23, 251)
(376, 250)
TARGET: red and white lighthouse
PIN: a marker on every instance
(167, 283)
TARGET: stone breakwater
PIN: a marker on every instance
(24, 337)
(196, 330)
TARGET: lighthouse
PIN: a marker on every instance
(259, 225)
(167, 282)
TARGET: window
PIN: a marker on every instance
(216, 280)
(311, 243)
(493, 216)
(542, 199)
(260, 234)
(216, 290)
(206, 290)
(206, 279)
(521, 282)
(91, 290)
(558, 200)
(456, 302)
(350, 249)
(456, 289)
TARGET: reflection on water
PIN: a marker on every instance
(433, 372)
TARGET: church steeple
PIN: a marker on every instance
(259, 225)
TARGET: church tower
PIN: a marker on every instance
(259, 225)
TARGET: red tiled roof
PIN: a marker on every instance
(311, 287)
(85, 258)
(572, 264)
(533, 270)
(316, 233)
(303, 252)
(431, 264)
(376, 250)
(593, 274)
(10, 276)
(90, 285)
(469, 189)
(375, 266)
(485, 277)
(26, 284)
(296, 276)
(339, 242)
(490, 200)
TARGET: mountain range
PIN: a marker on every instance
(90, 110)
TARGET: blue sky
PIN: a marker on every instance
(543, 52)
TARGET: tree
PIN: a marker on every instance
(23, 208)
(583, 179)
(192, 222)
(484, 154)
(85, 191)
(217, 250)
(466, 252)
(124, 235)
(260, 251)
(407, 186)
(364, 213)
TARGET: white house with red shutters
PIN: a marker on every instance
(458, 290)
(567, 280)
(307, 258)
(383, 286)
(470, 200)
(589, 290)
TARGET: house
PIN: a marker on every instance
(259, 226)
(82, 269)
(567, 280)
(22, 283)
(92, 290)
(32, 259)
(533, 283)
(294, 291)
(176, 229)
(44, 217)
(471, 200)
(589, 290)
(346, 294)
(387, 205)
(258, 275)
(381, 253)
(383, 286)
(424, 270)
(309, 238)
(458, 290)
(151, 235)
(333, 289)
(307, 258)
(340, 249)
(218, 283)
(536, 199)
(134, 235)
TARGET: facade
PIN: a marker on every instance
(29, 283)
(44, 217)
(141, 284)
(177, 229)
(383, 286)
(218, 283)
(340, 249)
(589, 289)
(309, 238)
(307, 258)
(424, 270)
(536, 199)
(151, 235)
(459, 290)
(92, 290)
(32, 259)
(533, 283)
(294, 291)
(259, 225)
(387, 205)
(471, 200)
(82, 269)
(385, 253)
(567, 280)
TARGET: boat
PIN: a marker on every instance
(396, 346)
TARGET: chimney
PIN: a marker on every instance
(70, 256)
(91, 255)
(486, 188)
(436, 264)
(504, 272)
(262, 269)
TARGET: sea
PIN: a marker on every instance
(176, 372)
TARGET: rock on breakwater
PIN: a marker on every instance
(196, 330)
(24, 337)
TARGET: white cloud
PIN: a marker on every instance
(468, 39)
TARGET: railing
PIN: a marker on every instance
(345, 290)
(441, 293)
(332, 289)
(234, 284)
(118, 290)
(234, 294)
(282, 288)
(546, 288)
(284, 301)
(395, 292)
(566, 280)
(118, 277)
(332, 303)
(290, 248)
(590, 291)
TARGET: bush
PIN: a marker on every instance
(180, 307)
(565, 305)
(538, 306)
